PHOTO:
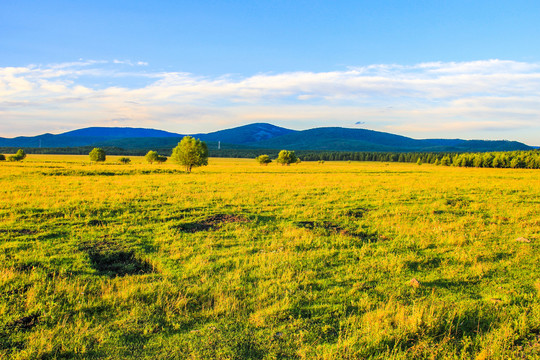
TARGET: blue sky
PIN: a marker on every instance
(468, 69)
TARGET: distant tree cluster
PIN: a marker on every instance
(508, 159)
(285, 157)
(153, 157)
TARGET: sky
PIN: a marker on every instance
(424, 69)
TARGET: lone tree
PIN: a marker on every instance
(190, 152)
(124, 160)
(263, 159)
(286, 157)
(151, 156)
(2, 157)
(97, 154)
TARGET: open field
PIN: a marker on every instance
(241, 261)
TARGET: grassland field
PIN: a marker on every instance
(341, 260)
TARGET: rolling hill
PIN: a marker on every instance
(262, 136)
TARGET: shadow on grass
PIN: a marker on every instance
(328, 228)
(119, 263)
(110, 259)
(423, 264)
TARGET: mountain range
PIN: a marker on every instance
(261, 136)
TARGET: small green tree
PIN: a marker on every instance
(151, 156)
(2, 157)
(124, 160)
(263, 159)
(190, 153)
(286, 157)
(97, 154)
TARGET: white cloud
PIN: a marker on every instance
(469, 99)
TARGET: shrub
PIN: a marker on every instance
(152, 156)
(161, 159)
(97, 154)
(263, 159)
(286, 157)
(125, 160)
(19, 156)
(2, 157)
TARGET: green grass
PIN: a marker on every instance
(241, 261)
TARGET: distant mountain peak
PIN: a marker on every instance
(118, 132)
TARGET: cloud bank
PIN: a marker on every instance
(491, 99)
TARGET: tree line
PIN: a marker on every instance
(529, 159)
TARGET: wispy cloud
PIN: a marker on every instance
(479, 99)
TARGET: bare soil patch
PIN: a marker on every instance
(24, 323)
(211, 223)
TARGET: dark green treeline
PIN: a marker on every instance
(509, 159)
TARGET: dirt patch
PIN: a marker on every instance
(24, 323)
(356, 213)
(325, 226)
(96, 222)
(211, 223)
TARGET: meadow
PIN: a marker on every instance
(341, 260)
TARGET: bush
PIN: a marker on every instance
(161, 159)
(286, 157)
(97, 154)
(19, 156)
(263, 159)
(125, 160)
(152, 156)
(2, 157)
